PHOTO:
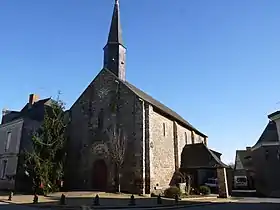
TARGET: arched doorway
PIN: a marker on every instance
(99, 178)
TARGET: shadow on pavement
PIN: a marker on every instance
(142, 202)
(107, 203)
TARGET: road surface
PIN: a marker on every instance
(6, 206)
(244, 204)
(238, 206)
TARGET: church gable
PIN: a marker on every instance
(92, 115)
(98, 99)
(99, 85)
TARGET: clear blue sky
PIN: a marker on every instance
(214, 62)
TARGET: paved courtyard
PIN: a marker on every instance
(5, 206)
(210, 203)
(229, 206)
(246, 204)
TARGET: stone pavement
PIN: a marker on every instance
(249, 203)
(107, 200)
(6, 206)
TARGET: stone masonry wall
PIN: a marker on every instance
(148, 110)
(167, 140)
(162, 161)
(184, 137)
(222, 182)
(198, 138)
(86, 133)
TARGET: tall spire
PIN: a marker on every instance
(115, 34)
(115, 51)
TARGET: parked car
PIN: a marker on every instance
(240, 182)
(212, 183)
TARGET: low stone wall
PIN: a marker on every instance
(222, 182)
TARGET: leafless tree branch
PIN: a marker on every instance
(116, 144)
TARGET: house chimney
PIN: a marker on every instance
(32, 99)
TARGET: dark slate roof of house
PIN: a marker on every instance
(218, 154)
(245, 158)
(36, 104)
(273, 114)
(269, 135)
(9, 116)
(200, 156)
(161, 106)
(35, 112)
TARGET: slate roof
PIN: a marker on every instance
(269, 135)
(35, 105)
(200, 156)
(9, 116)
(115, 34)
(218, 154)
(36, 112)
(244, 157)
(160, 106)
(273, 114)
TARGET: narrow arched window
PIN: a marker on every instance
(186, 138)
(100, 119)
(192, 137)
(163, 127)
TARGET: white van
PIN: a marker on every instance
(212, 182)
(240, 182)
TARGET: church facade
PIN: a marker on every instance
(155, 135)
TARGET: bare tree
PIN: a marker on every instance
(116, 148)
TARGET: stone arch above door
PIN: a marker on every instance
(100, 149)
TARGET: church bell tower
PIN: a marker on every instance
(115, 51)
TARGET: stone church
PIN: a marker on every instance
(155, 135)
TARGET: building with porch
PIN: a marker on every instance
(203, 163)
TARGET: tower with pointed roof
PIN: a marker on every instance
(114, 50)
